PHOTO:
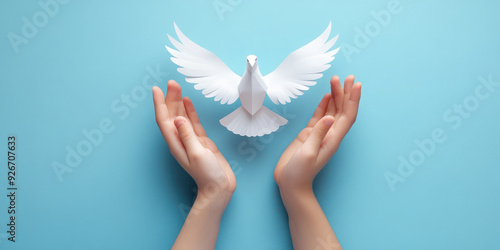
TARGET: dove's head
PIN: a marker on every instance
(251, 60)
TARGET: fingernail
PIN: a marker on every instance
(178, 122)
(328, 122)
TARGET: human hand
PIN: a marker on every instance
(198, 155)
(316, 144)
(189, 144)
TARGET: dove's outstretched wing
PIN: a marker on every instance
(301, 68)
(204, 69)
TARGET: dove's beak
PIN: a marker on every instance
(251, 60)
(251, 63)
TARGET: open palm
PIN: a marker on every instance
(187, 140)
(316, 144)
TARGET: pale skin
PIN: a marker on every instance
(294, 173)
(306, 156)
(200, 157)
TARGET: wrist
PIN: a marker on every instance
(212, 200)
(292, 195)
(293, 189)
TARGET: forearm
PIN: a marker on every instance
(202, 224)
(309, 226)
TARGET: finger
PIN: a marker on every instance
(337, 94)
(193, 116)
(313, 142)
(174, 99)
(353, 103)
(161, 110)
(356, 92)
(343, 125)
(172, 89)
(330, 110)
(167, 127)
(349, 80)
(181, 110)
(188, 137)
(320, 110)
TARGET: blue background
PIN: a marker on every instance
(129, 192)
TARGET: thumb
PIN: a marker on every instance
(313, 142)
(187, 135)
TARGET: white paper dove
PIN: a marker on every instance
(293, 76)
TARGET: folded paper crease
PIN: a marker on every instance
(295, 75)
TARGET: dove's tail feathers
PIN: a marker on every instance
(264, 122)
